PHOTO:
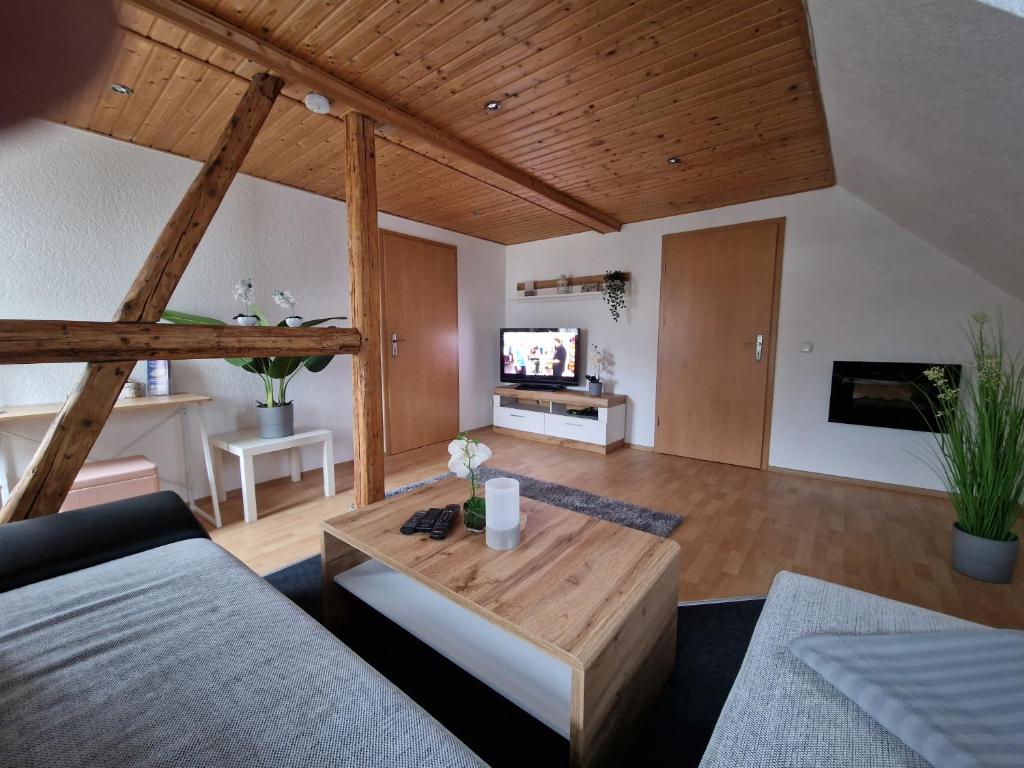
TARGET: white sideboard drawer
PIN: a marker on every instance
(573, 428)
(515, 418)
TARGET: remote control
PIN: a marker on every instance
(426, 523)
(444, 523)
(409, 527)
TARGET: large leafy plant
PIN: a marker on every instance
(276, 373)
(980, 431)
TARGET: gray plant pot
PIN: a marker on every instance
(984, 559)
(276, 422)
(594, 388)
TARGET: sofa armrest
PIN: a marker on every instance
(44, 547)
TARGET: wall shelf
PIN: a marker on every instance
(547, 290)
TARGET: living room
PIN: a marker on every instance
(716, 514)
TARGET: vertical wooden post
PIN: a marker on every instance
(64, 449)
(364, 268)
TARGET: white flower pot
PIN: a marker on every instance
(293, 322)
(247, 320)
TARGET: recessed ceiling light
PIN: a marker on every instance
(493, 105)
(124, 90)
(675, 160)
(317, 103)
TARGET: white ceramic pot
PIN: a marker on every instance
(247, 320)
(293, 322)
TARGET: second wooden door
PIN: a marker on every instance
(421, 341)
(716, 342)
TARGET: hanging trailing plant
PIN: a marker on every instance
(614, 292)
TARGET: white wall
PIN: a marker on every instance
(79, 213)
(854, 283)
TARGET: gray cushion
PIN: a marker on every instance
(782, 713)
(181, 656)
(955, 698)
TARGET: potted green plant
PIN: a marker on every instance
(614, 292)
(275, 413)
(467, 455)
(980, 454)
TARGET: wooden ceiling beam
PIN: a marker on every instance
(391, 121)
(63, 341)
(66, 445)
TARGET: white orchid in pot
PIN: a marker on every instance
(467, 455)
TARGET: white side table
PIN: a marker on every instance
(246, 444)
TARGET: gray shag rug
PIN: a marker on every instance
(573, 499)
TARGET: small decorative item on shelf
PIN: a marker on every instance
(563, 284)
(590, 288)
(595, 363)
(467, 455)
(244, 292)
(502, 513)
(158, 378)
(285, 300)
(275, 414)
(132, 389)
(615, 292)
(980, 453)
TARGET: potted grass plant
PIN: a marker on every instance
(275, 414)
(980, 453)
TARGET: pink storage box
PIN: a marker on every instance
(101, 481)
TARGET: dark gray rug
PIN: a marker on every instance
(573, 499)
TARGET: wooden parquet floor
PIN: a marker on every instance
(741, 526)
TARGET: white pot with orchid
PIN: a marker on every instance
(286, 300)
(595, 367)
(245, 292)
(466, 456)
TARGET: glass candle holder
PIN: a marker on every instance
(502, 495)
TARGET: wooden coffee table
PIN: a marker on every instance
(599, 597)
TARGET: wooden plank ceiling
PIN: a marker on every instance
(596, 96)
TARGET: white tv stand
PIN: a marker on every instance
(543, 416)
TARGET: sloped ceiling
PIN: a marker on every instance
(925, 107)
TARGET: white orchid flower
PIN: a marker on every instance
(466, 456)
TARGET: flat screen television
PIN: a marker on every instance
(545, 358)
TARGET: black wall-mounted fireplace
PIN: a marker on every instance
(884, 394)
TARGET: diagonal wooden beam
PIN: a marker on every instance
(44, 485)
(364, 265)
(67, 341)
(392, 122)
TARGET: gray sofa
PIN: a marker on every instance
(179, 655)
(782, 713)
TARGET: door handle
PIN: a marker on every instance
(758, 347)
(394, 344)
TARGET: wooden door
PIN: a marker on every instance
(719, 294)
(421, 366)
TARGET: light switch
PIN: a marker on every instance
(806, 346)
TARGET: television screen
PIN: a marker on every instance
(546, 355)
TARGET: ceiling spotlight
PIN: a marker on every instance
(124, 90)
(493, 105)
(317, 103)
(675, 160)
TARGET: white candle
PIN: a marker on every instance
(502, 511)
